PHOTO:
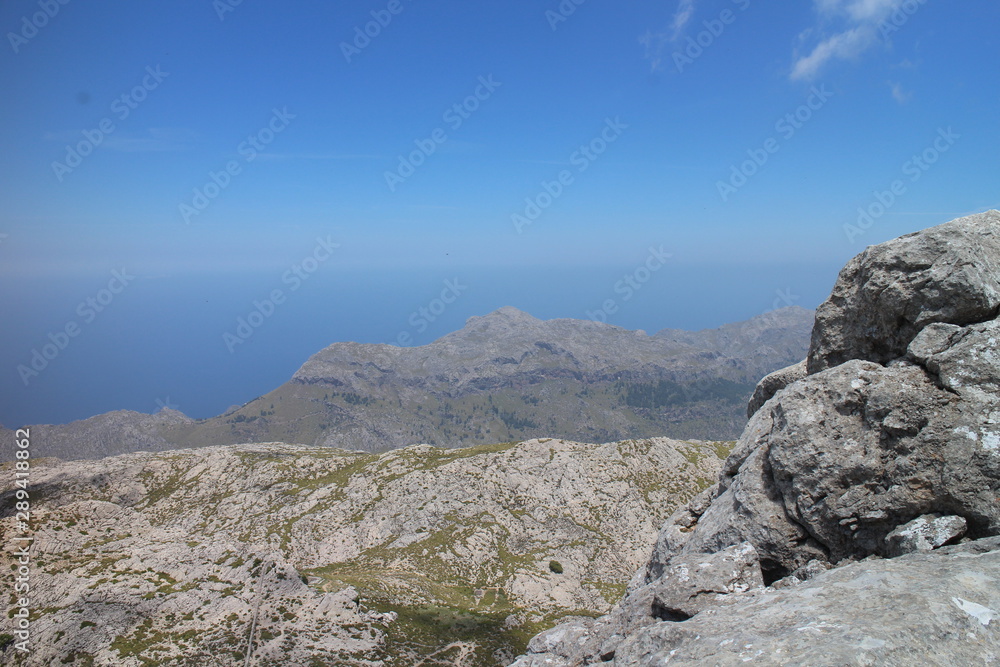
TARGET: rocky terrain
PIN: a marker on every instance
(276, 554)
(856, 520)
(505, 376)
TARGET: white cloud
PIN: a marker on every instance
(828, 6)
(872, 10)
(685, 10)
(859, 21)
(898, 94)
(858, 10)
(843, 46)
(656, 42)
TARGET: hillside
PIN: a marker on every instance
(504, 376)
(453, 557)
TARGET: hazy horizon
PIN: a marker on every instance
(169, 168)
(199, 375)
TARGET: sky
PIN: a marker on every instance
(197, 195)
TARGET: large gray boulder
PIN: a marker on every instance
(886, 295)
(907, 424)
(930, 608)
(848, 455)
(925, 533)
(691, 584)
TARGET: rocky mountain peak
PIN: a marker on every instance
(171, 415)
(503, 316)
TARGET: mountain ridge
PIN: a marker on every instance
(504, 376)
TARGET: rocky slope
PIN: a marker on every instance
(883, 448)
(274, 554)
(505, 376)
(925, 608)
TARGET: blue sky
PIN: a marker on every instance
(545, 150)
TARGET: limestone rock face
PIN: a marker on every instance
(932, 608)
(937, 607)
(898, 418)
(851, 453)
(887, 442)
(886, 295)
(690, 583)
(674, 534)
(773, 383)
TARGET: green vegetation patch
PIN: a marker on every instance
(438, 634)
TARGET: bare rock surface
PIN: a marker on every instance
(691, 584)
(934, 608)
(887, 443)
(851, 454)
(886, 295)
(275, 554)
(834, 462)
(930, 608)
(773, 383)
(924, 533)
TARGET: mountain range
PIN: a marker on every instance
(504, 376)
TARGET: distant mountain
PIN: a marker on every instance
(275, 555)
(111, 433)
(504, 376)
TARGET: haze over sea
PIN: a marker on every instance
(162, 340)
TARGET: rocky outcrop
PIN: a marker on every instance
(925, 533)
(930, 608)
(936, 608)
(837, 461)
(890, 292)
(887, 443)
(773, 383)
(690, 585)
